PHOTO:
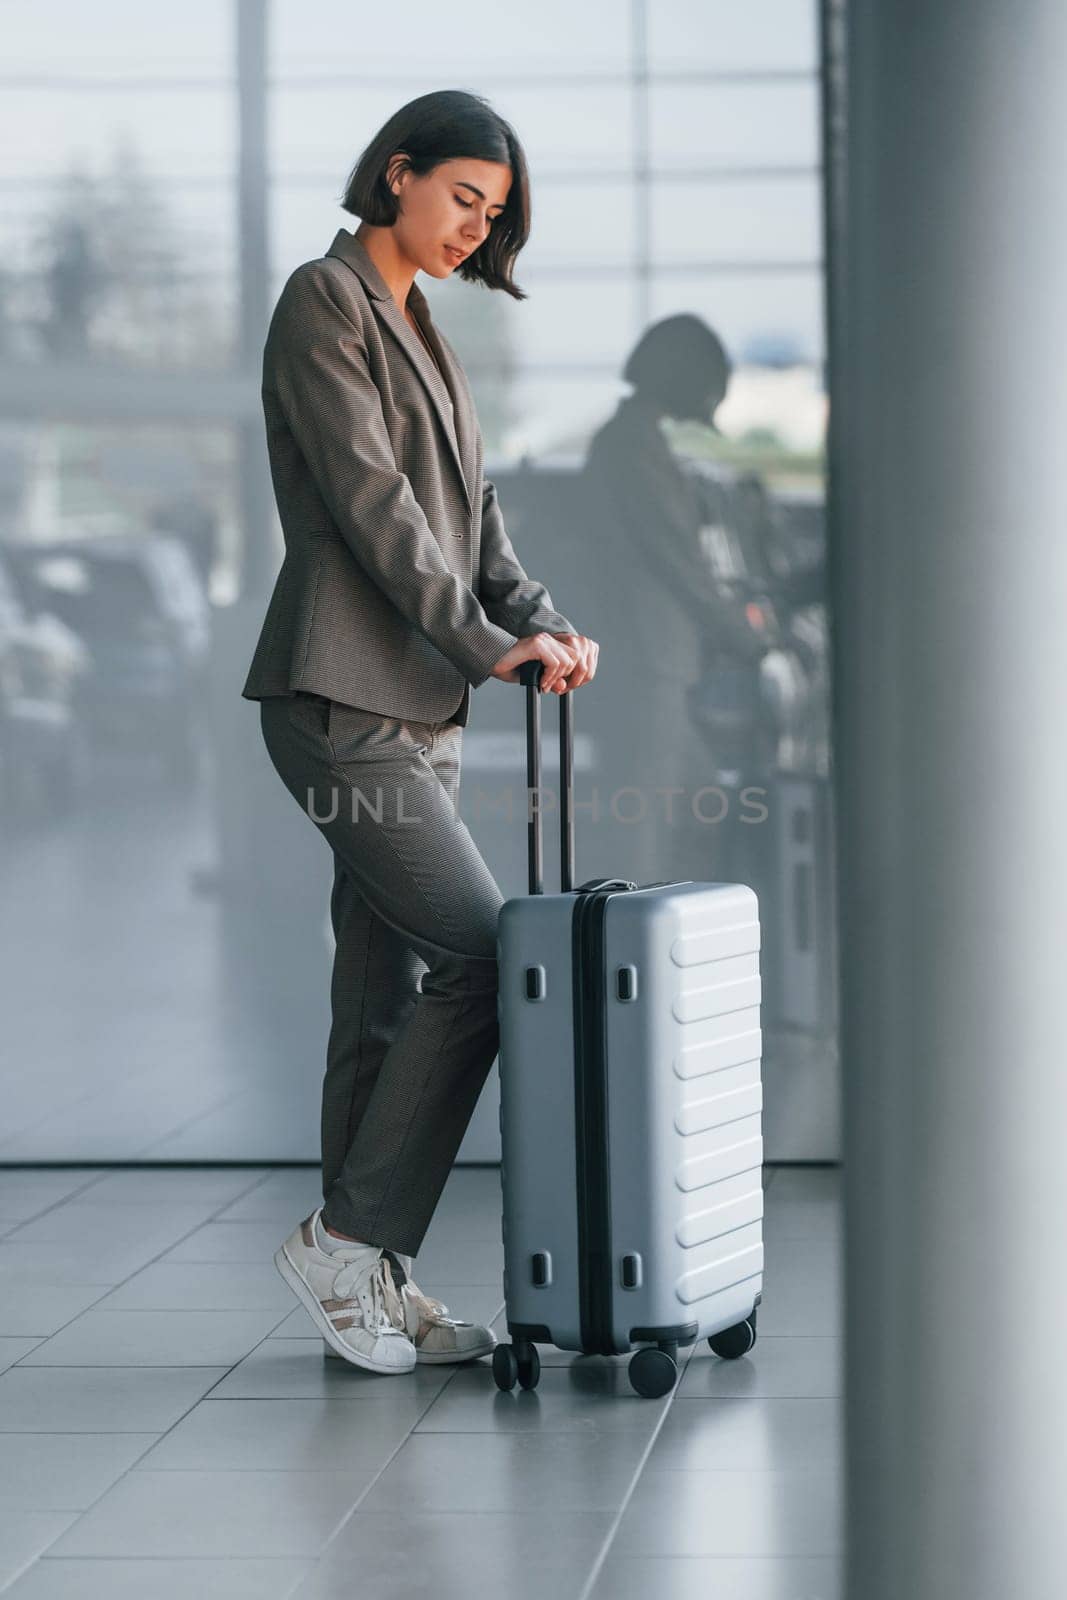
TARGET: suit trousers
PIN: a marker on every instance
(414, 908)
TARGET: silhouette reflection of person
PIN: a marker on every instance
(655, 605)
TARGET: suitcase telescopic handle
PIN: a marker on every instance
(530, 674)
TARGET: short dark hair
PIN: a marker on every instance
(447, 125)
(680, 362)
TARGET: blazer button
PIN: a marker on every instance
(456, 535)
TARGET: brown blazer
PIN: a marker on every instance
(399, 590)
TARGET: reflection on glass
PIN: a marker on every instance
(176, 1013)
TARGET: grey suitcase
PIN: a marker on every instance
(631, 1109)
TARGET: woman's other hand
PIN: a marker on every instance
(587, 651)
(556, 651)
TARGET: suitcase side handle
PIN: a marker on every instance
(530, 675)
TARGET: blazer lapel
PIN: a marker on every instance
(460, 434)
(461, 415)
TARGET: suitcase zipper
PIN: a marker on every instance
(591, 1123)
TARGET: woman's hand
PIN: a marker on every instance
(554, 650)
(587, 651)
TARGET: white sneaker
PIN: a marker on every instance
(437, 1336)
(350, 1297)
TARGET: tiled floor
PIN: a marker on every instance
(169, 1427)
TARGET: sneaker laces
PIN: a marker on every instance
(427, 1310)
(410, 1310)
(369, 1273)
(393, 1301)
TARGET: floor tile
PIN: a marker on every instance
(808, 1183)
(25, 1535)
(732, 1513)
(162, 1186)
(100, 1399)
(231, 1241)
(79, 1221)
(749, 1435)
(738, 1492)
(458, 1555)
(530, 1472)
(27, 1191)
(64, 1471)
(258, 1514)
(202, 1286)
(591, 1400)
(789, 1215)
(282, 1197)
(155, 1339)
(298, 1324)
(801, 1287)
(13, 1349)
(285, 1435)
(55, 1578)
(718, 1578)
(36, 1310)
(296, 1369)
(795, 1368)
(77, 1261)
(817, 1201)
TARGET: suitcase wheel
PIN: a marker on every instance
(653, 1371)
(505, 1367)
(736, 1341)
(516, 1363)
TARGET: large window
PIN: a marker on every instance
(162, 172)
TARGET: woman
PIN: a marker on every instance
(398, 594)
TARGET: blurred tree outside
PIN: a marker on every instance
(112, 280)
(114, 277)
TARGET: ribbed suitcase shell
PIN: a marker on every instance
(676, 1166)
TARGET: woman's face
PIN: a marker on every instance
(453, 206)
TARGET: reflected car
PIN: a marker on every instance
(42, 746)
(138, 605)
